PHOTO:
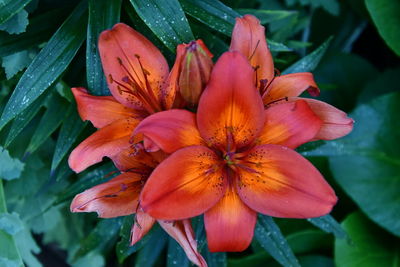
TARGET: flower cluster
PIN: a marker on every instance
(206, 139)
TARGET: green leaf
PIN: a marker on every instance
(176, 255)
(213, 13)
(24, 118)
(271, 239)
(371, 246)
(368, 160)
(103, 14)
(37, 32)
(385, 15)
(71, 128)
(9, 254)
(16, 24)
(10, 223)
(8, 8)
(10, 168)
(100, 237)
(166, 19)
(308, 241)
(86, 180)
(268, 16)
(328, 224)
(28, 247)
(311, 61)
(48, 65)
(149, 254)
(16, 62)
(50, 121)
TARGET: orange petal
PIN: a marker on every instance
(184, 185)
(290, 85)
(172, 87)
(335, 123)
(279, 182)
(183, 233)
(248, 37)
(141, 226)
(289, 124)
(119, 50)
(100, 110)
(136, 160)
(106, 142)
(117, 197)
(230, 108)
(169, 130)
(229, 224)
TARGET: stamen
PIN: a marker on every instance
(277, 100)
(254, 51)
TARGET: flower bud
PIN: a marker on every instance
(196, 66)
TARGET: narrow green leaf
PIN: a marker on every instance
(9, 8)
(100, 237)
(48, 65)
(370, 247)
(311, 61)
(71, 128)
(103, 14)
(149, 254)
(10, 168)
(166, 19)
(24, 118)
(328, 224)
(385, 14)
(271, 239)
(50, 121)
(213, 13)
(176, 255)
(268, 16)
(86, 180)
(37, 32)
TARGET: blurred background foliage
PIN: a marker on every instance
(47, 47)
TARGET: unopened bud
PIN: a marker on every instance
(195, 71)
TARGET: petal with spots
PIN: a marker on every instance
(230, 111)
(279, 182)
(117, 197)
(184, 185)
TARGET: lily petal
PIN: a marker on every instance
(289, 124)
(106, 142)
(101, 110)
(248, 37)
(279, 182)
(134, 160)
(126, 53)
(290, 85)
(228, 102)
(335, 124)
(141, 226)
(183, 233)
(229, 224)
(117, 197)
(169, 130)
(184, 185)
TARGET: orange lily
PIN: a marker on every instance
(233, 159)
(248, 37)
(139, 80)
(120, 197)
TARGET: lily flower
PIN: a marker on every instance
(233, 159)
(140, 83)
(120, 197)
(248, 37)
